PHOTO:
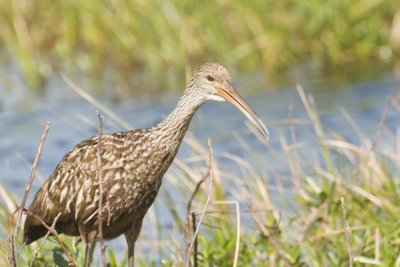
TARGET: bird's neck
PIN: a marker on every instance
(173, 128)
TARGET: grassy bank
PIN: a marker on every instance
(336, 203)
(131, 41)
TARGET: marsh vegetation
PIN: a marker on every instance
(315, 196)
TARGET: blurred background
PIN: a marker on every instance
(135, 57)
(142, 47)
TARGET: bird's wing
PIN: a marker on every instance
(72, 188)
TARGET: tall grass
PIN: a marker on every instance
(130, 41)
(338, 204)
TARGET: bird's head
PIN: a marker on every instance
(212, 82)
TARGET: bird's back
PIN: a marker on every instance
(133, 165)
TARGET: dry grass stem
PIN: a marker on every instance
(328, 233)
(12, 257)
(238, 226)
(101, 191)
(11, 253)
(274, 242)
(195, 246)
(8, 200)
(219, 212)
(45, 238)
(211, 174)
(189, 206)
(314, 216)
(347, 232)
(377, 244)
(382, 121)
(71, 261)
(311, 109)
(95, 103)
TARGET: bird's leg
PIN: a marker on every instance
(89, 249)
(90, 240)
(131, 235)
(131, 255)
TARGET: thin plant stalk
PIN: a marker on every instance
(101, 191)
(71, 261)
(12, 256)
(211, 167)
(346, 232)
(45, 238)
(238, 226)
(274, 242)
(311, 110)
(95, 103)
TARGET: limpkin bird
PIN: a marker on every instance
(133, 165)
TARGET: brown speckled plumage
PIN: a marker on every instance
(134, 163)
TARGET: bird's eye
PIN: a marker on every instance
(210, 78)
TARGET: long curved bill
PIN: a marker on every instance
(228, 93)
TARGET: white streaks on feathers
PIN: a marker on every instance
(54, 183)
(74, 153)
(63, 194)
(114, 189)
(78, 203)
(90, 217)
(87, 184)
(113, 164)
(117, 176)
(68, 206)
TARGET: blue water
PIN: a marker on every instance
(23, 116)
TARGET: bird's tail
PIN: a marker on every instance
(32, 230)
